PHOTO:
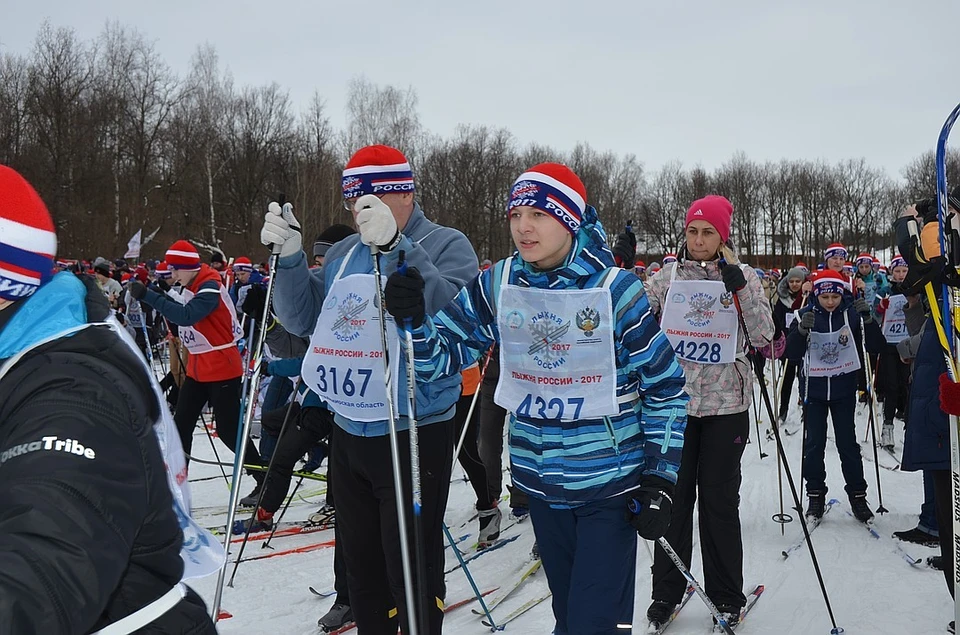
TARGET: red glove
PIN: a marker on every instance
(882, 306)
(949, 395)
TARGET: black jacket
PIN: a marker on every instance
(87, 530)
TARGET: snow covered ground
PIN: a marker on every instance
(872, 589)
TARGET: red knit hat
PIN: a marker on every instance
(830, 281)
(183, 256)
(552, 188)
(163, 270)
(716, 210)
(377, 169)
(834, 250)
(242, 264)
(28, 239)
(864, 259)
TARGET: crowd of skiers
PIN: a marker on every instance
(626, 388)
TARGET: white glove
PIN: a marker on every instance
(376, 222)
(281, 228)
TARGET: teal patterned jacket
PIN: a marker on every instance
(571, 463)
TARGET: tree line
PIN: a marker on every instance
(116, 141)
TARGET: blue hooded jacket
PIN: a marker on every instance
(571, 463)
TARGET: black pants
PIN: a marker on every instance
(469, 456)
(712, 448)
(893, 382)
(490, 442)
(224, 397)
(368, 526)
(301, 435)
(789, 374)
(944, 496)
(845, 434)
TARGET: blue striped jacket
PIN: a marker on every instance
(570, 463)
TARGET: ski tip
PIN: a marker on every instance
(224, 615)
(784, 554)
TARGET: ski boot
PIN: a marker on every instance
(263, 521)
(337, 617)
(659, 613)
(729, 613)
(917, 536)
(816, 503)
(253, 497)
(859, 507)
(489, 526)
(886, 436)
(935, 562)
(535, 551)
(326, 515)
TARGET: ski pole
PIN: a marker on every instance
(418, 537)
(871, 419)
(690, 579)
(405, 560)
(263, 489)
(782, 518)
(473, 584)
(786, 466)
(243, 432)
(473, 403)
(756, 421)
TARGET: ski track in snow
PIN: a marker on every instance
(872, 590)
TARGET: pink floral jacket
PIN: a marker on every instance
(719, 389)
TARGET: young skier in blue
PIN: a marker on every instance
(595, 395)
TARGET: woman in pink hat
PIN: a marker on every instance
(695, 300)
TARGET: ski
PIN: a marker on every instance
(457, 540)
(913, 562)
(653, 629)
(322, 594)
(893, 456)
(811, 526)
(446, 609)
(304, 549)
(496, 545)
(868, 456)
(476, 546)
(526, 573)
(518, 612)
(751, 601)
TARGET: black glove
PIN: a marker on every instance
(650, 507)
(163, 284)
(253, 303)
(806, 323)
(863, 308)
(733, 278)
(264, 368)
(404, 296)
(625, 249)
(136, 289)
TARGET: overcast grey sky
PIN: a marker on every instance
(693, 80)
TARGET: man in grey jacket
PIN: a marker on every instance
(338, 308)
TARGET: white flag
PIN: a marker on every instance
(133, 246)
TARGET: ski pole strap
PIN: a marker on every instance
(147, 614)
